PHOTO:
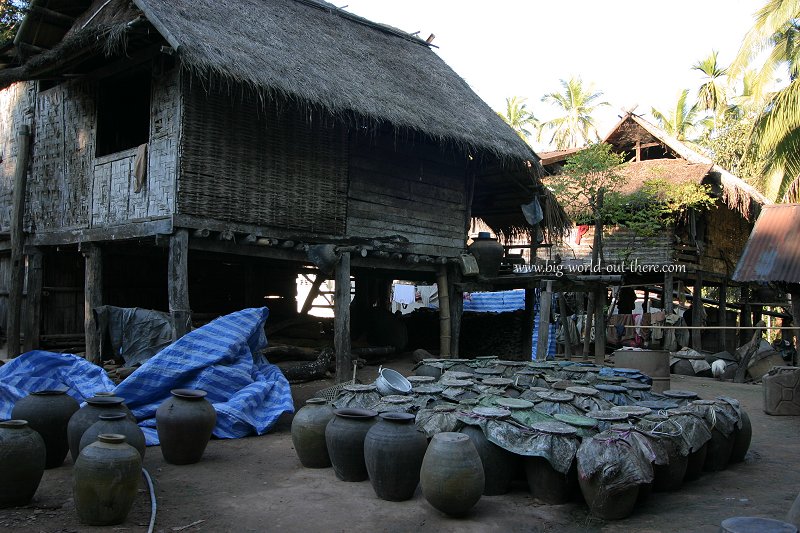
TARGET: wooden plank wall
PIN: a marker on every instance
(414, 190)
(15, 106)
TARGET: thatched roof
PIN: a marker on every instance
(313, 53)
(735, 192)
(675, 171)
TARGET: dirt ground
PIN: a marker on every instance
(257, 484)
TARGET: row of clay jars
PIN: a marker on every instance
(48, 412)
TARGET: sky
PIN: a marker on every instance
(638, 53)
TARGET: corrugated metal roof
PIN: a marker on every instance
(772, 252)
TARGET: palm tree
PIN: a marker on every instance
(776, 133)
(681, 120)
(575, 126)
(711, 94)
(520, 118)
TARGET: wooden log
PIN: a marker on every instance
(16, 285)
(544, 320)
(371, 351)
(287, 244)
(697, 313)
(250, 239)
(444, 311)
(285, 352)
(34, 300)
(587, 324)
(178, 283)
(266, 241)
(752, 348)
(562, 311)
(226, 235)
(313, 292)
(412, 258)
(93, 298)
(380, 253)
(341, 318)
(201, 233)
(397, 256)
(745, 316)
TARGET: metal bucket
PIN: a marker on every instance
(654, 363)
(391, 382)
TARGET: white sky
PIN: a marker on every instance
(635, 51)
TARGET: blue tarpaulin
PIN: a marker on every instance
(222, 358)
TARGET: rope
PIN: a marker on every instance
(153, 507)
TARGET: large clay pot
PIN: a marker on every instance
(452, 476)
(48, 413)
(22, 460)
(719, 451)
(488, 254)
(605, 504)
(545, 482)
(499, 465)
(741, 442)
(308, 433)
(184, 423)
(393, 452)
(694, 463)
(87, 415)
(115, 423)
(106, 480)
(344, 436)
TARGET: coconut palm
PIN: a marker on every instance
(777, 129)
(519, 117)
(681, 120)
(575, 126)
(711, 94)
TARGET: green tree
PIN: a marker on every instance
(711, 94)
(682, 120)
(11, 12)
(574, 126)
(520, 118)
(776, 131)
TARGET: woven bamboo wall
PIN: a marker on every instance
(409, 188)
(726, 235)
(619, 244)
(262, 165)
(15, 103)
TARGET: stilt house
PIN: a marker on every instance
(195, 156)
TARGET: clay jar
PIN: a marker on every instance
(488, 254)
(308, 433)
(87, 415)
(545, 482)
(499, 465)
(22, 460)
(344, 436)
(48, 413)
(106, 480)
(452, 476)
(741, 442)
(393, 453)
(116, 423)
(184, 423)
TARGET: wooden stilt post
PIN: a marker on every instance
(562, 311)
(444, 311)
(527, 326)
(795, 295)
(178, 283)
(313, 292)
(745, 316)
(587, 324)
(16, 285)
(92, 298)
(723, 314)
(697, 313)
(544, 320)
(666, 296)
(456, 311)
(599, 326)
(341, 319)
(34, 300)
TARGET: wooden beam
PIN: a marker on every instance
(34, 300)
(723, 314)
(313, 292)
(745, 316)
(92, 298)
(341, 319)
(52, 17)
(587, 337)
(444, 311)
(599, 327)
(178, 284)
(134, 229)
(666, 296)
(562, 311)
(544, 321)
(16, 285)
